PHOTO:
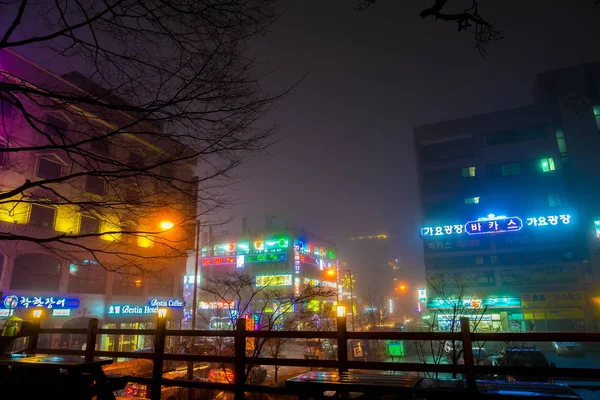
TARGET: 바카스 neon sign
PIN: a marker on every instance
(494, 224)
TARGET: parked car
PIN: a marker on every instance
(480, 357)
(226, 375)
(568, 348)
(525, 357)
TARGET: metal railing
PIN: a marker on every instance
(240, 360)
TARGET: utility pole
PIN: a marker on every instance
(197, 261)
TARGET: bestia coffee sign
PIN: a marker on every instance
(173, 303)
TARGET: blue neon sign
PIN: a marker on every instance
(496, 224)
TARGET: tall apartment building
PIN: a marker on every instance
(71, 285)
(511, 206)
(284, 259)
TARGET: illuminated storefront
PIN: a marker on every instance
(553, 311)
(492, 314)
(139, 315)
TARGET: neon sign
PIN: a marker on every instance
(274, 280)
(173, 303)
(218, 260)
(297, 286)
(495, 224)
(564, 219)
(311, 281)
(211, 305)
(49, 302)
(119, 309)
(268, 257)
(296, 259)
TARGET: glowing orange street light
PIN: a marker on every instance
(331, 272)
(166, 225)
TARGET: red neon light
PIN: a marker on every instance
(311, 248)
(218, 260)
(303, 258)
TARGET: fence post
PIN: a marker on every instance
(90, 342)
(159, 353)
(467, 345)
(342, 342)
(239, 366)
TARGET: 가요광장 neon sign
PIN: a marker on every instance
(494, 224)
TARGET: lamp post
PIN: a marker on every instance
(196, 262)
(351, 279)
(167, 225)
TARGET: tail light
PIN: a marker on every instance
(510, 378)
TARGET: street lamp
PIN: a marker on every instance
(166, 225)
(350, 281)
(37, 314)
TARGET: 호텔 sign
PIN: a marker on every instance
(143, 309)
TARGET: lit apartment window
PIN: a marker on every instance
(48, 169)
(597, 116)
(547, 164)
(562, 145)
(56, 126)
(89, 225)
(42, 216)
(554, 200)
(468, 172)
(471, 200)
(94, 185)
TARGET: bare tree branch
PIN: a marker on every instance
(166, 107)
(484, 29)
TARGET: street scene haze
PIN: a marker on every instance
(286, 199)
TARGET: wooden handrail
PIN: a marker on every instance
(240, 361)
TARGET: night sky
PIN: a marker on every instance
(346, 166)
